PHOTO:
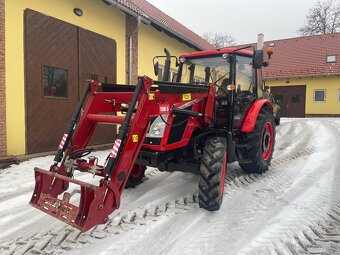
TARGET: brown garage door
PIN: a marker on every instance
(59, 58)
(293, 100)
(97, 60)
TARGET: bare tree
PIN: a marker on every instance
(219, 40)
(322, 18)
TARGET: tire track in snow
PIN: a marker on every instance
(277, 190)
(322, 237)
(61, 240)
(68, 238)
(235, 179)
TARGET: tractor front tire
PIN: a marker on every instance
(212, 173)
(136, 177)
(278, 118)
(257, 147)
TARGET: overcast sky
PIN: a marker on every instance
(242, 19)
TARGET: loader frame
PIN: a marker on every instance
(104, 101)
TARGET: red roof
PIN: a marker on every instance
(159, 18)
(215, 52)
(304, 56)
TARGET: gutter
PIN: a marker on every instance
(159, 26)
(130, 46)
(150, 21)
(127, 10)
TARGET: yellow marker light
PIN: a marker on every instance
(270, 50)
(231, 87)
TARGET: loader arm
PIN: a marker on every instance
(97, 202)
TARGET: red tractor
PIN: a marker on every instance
(210, 114)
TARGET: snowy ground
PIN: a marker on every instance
(294, 208)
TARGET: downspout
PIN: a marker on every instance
(138, 18)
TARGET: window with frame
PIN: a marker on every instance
(245, 74)
(320, 95)
(172, 74)
(331, 58)
(54, 82)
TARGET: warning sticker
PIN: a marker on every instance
(151, 96)
(135, 138)
(186, 97)
(164, 109)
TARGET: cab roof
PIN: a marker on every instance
(215, 52)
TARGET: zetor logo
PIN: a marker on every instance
(164, 109)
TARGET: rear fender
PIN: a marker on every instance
(251, 117)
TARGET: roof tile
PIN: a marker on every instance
(304, 56)
(148, 11)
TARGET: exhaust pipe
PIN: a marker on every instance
(167, 65)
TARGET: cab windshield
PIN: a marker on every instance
(206, 70)
(217, 70)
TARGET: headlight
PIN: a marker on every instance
(157, 127)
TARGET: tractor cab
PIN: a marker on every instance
(236, 74)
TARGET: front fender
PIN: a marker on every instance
(251, 117)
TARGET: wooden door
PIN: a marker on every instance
(51, 52)
(293, 100)
(59, 58)
(97, 61)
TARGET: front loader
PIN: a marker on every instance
(211, 115)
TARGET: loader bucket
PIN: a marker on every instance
(96, 202)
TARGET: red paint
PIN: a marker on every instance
(251, 117)
(137, 170)
(267, 140)
(97, 202)
(215, 52)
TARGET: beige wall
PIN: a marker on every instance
(3, 140)
(151, 43)
(331, 84)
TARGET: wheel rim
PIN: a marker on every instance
(224, 169)
(267, 141)
(137, 171)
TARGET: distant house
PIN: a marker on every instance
(304, 73)
(49, 48)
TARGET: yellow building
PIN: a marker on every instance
(49, 48)
(304, 75)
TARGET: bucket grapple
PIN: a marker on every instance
(145, 101)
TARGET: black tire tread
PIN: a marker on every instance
(133, 182)
(210, 173)
(249, 145)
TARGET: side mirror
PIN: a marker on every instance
(156, 68)
(258, 59)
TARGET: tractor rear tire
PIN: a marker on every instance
(212, 173)
(136, 177)
(257, 147)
